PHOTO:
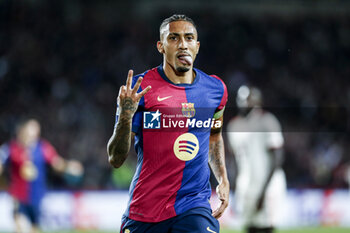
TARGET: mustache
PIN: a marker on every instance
(180, 54)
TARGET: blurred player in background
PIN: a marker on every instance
(26, 157)
(170, 191)
(256, 141)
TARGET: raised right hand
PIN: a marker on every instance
(128, 98)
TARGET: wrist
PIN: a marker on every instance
(126, 114)
(224, 180)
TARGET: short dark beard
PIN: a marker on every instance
(182, 69)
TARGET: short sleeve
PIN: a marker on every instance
(137, 121)
(221, 108)
(49, 151)
(274, 137)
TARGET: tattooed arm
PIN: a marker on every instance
(217, 164)
(119, 144)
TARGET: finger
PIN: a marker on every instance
(142, 93)
(217, 213)
(137, 85)
(223, 198)
(129, 80)
(122, 91)
(220, 210)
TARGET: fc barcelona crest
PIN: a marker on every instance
(188, 110)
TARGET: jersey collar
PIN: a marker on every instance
(162, 74)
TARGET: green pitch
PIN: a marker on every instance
(300, 230)
(304, 230)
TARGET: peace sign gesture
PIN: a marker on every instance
(128, 98)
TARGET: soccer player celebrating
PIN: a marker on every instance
(175, 113)
(26, 157)
(256, 141)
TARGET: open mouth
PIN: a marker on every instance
(185, 59)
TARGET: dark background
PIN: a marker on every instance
(63, 61)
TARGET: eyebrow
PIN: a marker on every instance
(177, 34)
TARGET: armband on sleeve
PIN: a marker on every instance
(219, 114)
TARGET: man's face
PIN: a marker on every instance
(179, 45)
(29, 133)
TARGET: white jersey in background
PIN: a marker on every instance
(251, 139)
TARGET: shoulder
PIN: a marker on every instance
(13, 145)
(218, 79)
(46, 145)
(4, 145)
(234, 123)
(44, 142)
(271, 122)
(215, 85)
(212, 78)
(145, 75)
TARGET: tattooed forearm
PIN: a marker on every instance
(119, 144)
(128, 99)
(217, 157)
(214, 153)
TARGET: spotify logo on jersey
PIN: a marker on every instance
(186, 147)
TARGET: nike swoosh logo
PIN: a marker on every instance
(210, 230)
(164, 98)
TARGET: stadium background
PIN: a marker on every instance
(63, 62)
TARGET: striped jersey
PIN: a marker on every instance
(172, 128)
(27, 169)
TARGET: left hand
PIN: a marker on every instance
(223, 192)
(74, 168)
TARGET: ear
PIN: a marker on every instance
(198, 45)
(160, 47)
